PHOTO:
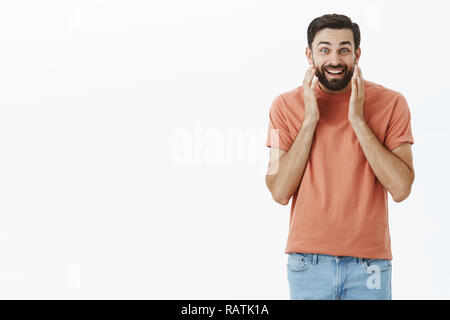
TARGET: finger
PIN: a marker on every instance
(307, 72)
(356, 75)
(313, 83)
(311, 76)
(359, 85)
(354, 88)
(313, 69)
(359, 82)
(306, 80)
(362, 80)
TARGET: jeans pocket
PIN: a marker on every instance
(297, 262)
(380, 265)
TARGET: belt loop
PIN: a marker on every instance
(315, 259)
(360, 260)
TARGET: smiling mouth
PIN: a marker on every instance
(334, 72)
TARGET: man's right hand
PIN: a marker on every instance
(311, 108)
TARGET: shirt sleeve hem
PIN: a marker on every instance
(281, 146)
(399, 141)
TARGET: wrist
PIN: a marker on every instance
(356, 120)
(310, 121)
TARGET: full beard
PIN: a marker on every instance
(337, 83)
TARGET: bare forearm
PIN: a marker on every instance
(291, 165)
(392, 172)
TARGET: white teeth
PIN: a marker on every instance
(335, 72)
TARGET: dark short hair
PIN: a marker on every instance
(333, 21)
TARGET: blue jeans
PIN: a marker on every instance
(327, 277)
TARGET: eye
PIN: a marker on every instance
(345, 49)
(321, 50)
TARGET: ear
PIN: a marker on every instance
(308, 54)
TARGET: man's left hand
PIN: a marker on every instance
(356, 107)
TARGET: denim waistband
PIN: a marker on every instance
(317, 256)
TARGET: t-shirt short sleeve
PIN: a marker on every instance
(278, 135)
(399, 127)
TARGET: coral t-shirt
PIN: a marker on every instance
(340, 207)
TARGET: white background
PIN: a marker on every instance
(132, 138)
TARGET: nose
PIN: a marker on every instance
(335, 60)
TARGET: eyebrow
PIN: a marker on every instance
(341, 44)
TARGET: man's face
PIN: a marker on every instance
(333, 51)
